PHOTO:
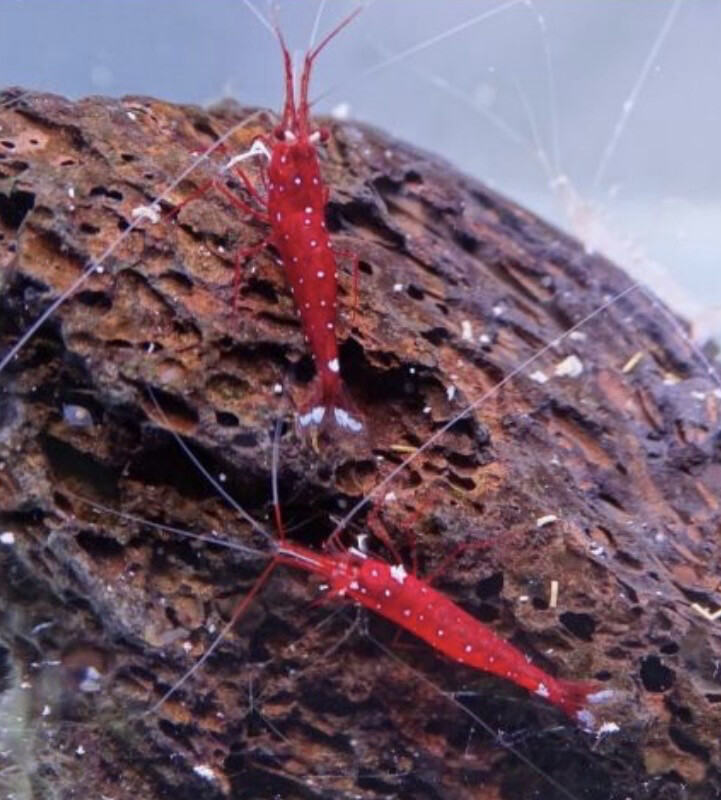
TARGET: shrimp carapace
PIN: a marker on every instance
(296, 204)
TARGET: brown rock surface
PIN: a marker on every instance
(614, 431)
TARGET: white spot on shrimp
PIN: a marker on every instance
(406, 612)
(329, 325)
(353, 585)
(284, 159)
(468, 648)
(387, 592)
(398, 573)
(542, 690)
(307, 221)
(374, 573)
(313, 243)
(297, 181)
(440, 631)
(309, 209)
(315, 180)
(278, 215)
(320, 273)
(333, 364)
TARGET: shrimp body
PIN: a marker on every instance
(296, 208)
(296, 203)
(413, 604)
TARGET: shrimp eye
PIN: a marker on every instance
(279, 133)
(324, 134)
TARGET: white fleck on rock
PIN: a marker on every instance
(151, 212)
(46, 711)
(484, 339)
(80, 750)
(390, 497)
(498, 309)
(571, 367)
(466, 330)
(91, 681)
(397, 287)
(539, 377)
(577, 336)
(7, 538)
(541, 522)
(607, 727)
(204, 771)
(277, 389)
(450, 393)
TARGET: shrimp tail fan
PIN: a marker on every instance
(579, 699)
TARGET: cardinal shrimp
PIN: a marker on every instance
(299, 701)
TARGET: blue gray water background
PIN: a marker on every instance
(656, 205)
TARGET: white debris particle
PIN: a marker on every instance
(91, 681)
(204, 771)
(71, 191)
(577, 336)
(277, 389)
(632, 362)
(466, 330)
(451, 393)
(427, 410)
(340, 111)
(222, 477)
(539, 377)
(390, 497)
(597, 550)
(397, 287)
(484, 339)
(80, 750)
(571, 367)
(7, 538)
(607, 727)
(524, 598)
(46, 711)
(151, 212)
(698, 395)
(131, 115)
(498, 309)
(187, 646)
(553, 601)
(541, 522)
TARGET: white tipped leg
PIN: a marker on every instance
(258, 148)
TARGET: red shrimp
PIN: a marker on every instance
(413, 604)
(295, 210)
